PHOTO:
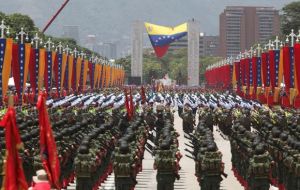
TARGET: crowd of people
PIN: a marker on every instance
(103, 132)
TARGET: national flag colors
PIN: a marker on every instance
(48, 149)
(14, 174)
(6, 46)
(161, 36)
(271, 77)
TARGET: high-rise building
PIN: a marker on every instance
(241, 27)
(108, 49)
(71, 31)
(208, 45)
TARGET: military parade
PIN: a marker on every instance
(74, 116)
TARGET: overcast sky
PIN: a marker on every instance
(111, 19)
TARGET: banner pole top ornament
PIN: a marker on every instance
(49, 44)
(75, 52)
(60, 48)
(251, 52)
(293, 36)
(3, 27)
(36, 40)
(67, 50)
(269, 45)
(298, 36)
(96, 59)
(22, 34)
(92, 58)
(277, 41)
(82, 54)
(258, 50)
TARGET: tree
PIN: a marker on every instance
(290, 17)
(174, 64)
(16, 21)
(126, 63)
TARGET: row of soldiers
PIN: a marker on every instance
(167, 155)
(129, 153)
(208, 159)
(78, 130)
(264, 144)
(93, 161)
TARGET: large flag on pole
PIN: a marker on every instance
(162, 36)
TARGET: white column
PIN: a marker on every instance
(193, 52)
(137, 49)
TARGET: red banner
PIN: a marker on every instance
(48, 149)
(264, 67)
(254, 72)
(287, 68)
(272, 68)
(16, 68)
(14, 174)
(297, 65)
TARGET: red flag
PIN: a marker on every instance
(264, 68)
(127, 105)
(131, 105)
(272, 68)
(247, 71)
(242, 68)
(287, 68)
(16, 68)
(32, 70)
(237, 74)
(143, 95)
(254, 72)
(48, 149)
(297, 65)
(14, 175)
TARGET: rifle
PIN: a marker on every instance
(189, 151)
(189, 145)
(191, 157)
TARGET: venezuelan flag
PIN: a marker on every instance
(70, 74)
(161, 36)
(85, 72)
(5, 64)
(63, 71)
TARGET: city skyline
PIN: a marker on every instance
(111, 21)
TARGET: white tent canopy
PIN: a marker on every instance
(11, 82)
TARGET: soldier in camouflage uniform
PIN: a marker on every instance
(123, 167)
(188, 120)
(259, 169)
(211, 168)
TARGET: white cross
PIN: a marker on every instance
(269, 45)
(277, 41)
(3, 27)
(59, 47)
(75, 52)
(298, 36)
(258, 50)
(82, 54)
(293, 36)
(49, 44)
(22, 34)
(67, 50)
(36, 40)
(92, 58)
(96, 59)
